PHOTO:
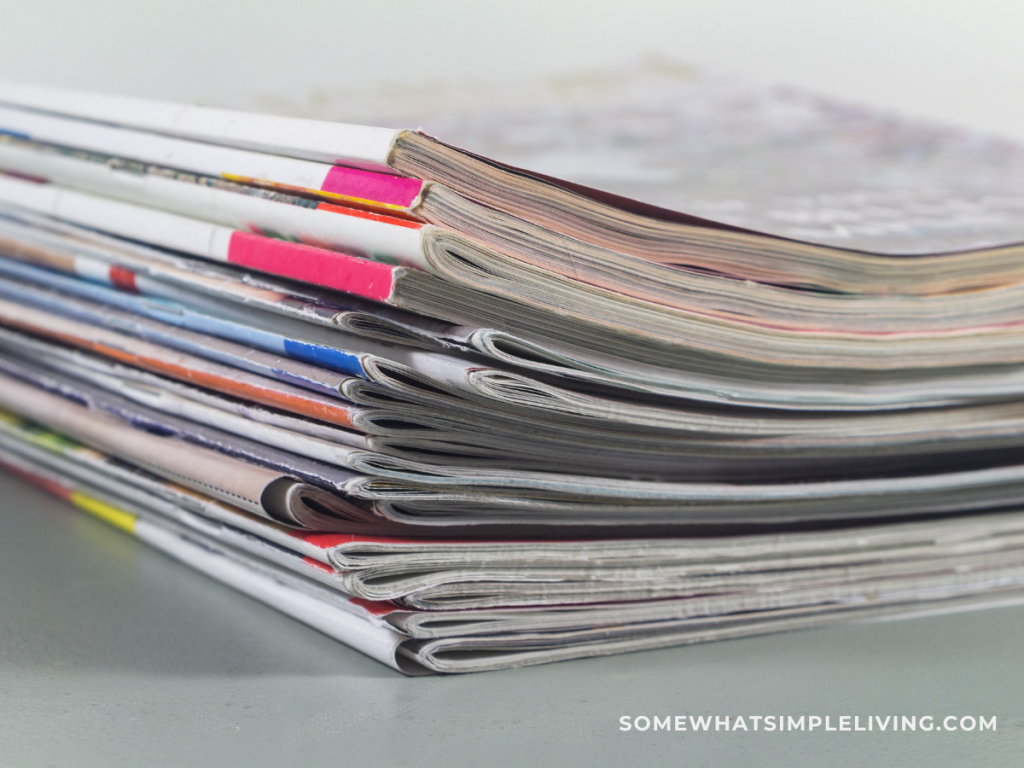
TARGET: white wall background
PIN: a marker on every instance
(952, 60)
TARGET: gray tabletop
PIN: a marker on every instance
(112, 654)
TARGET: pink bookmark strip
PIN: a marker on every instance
(372, 187)
(318, 266)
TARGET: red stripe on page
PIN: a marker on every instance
(361, 214)
(317, 564)
(375, 608)
(123, 279)
(323, 540)
(37, 480)
(309, 264)
(331, 540)
(370, 186)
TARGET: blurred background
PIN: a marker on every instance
(946, 60)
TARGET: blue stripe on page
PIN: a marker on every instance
(325, 357)
(194, 345)
(179, 315)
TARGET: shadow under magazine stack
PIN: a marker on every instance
(463, 416)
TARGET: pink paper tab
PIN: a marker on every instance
(318, 266)
(370, 187)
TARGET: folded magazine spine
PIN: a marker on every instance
(354, 627)
(179, 328)
(372, 234)
(334, 143)
(351, 186)
(270, 493)
(513, 637)
(181, 316)
(58, 245)
(75, 462)
(377, 642)
(297, 261)
(178, 365)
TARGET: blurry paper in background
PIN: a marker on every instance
(779, 159)
(949, 60)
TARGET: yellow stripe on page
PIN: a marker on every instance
(111, 514)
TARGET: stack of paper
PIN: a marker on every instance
(464, 416)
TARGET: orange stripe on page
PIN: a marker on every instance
(289, 402)
(359, 203)
(391, 209)
(314, 409)
(371, 216)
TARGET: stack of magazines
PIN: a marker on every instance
(759, 366)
